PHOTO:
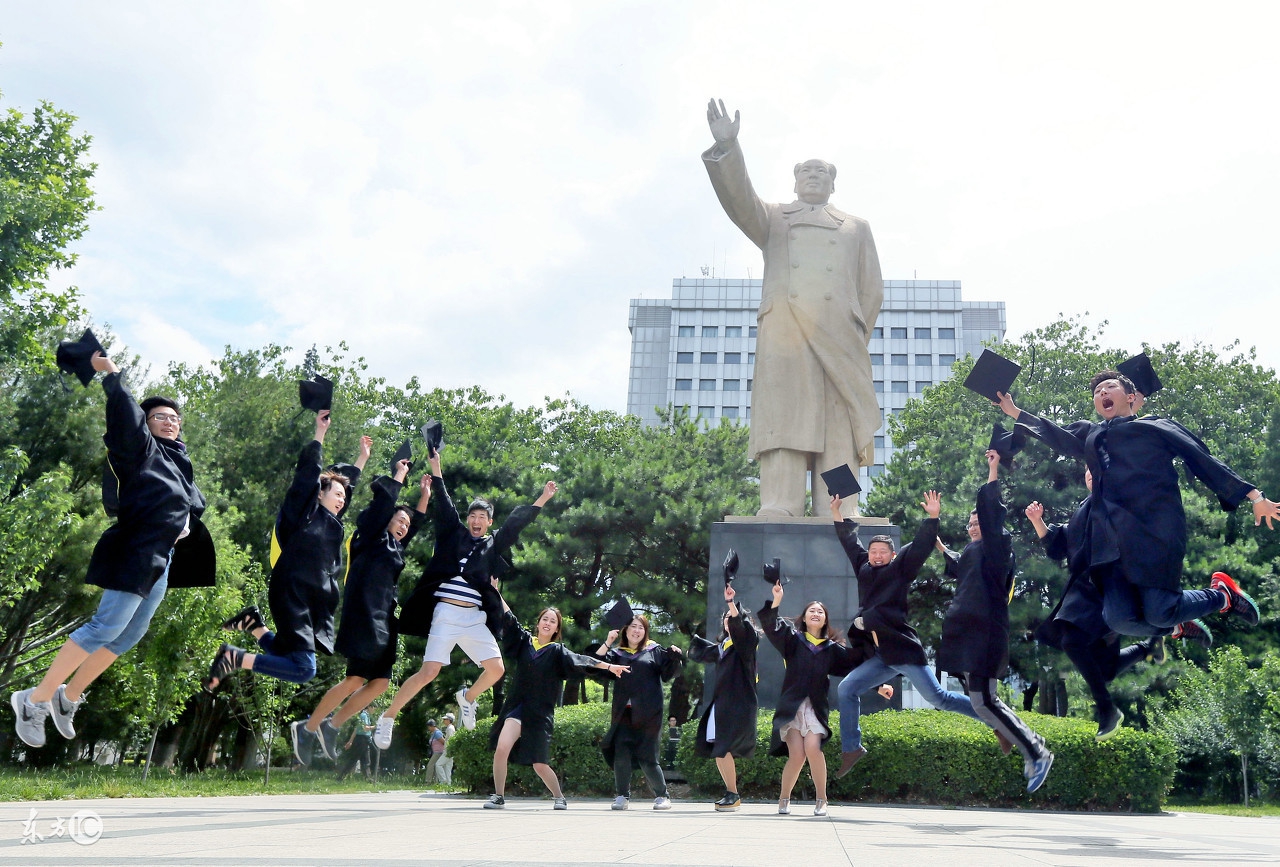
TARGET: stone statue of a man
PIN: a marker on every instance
(813, 406)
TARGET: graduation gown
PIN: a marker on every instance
(149, 488)
(534, 691)
(1081, 601)
(303, 592)
(1136, 518)
(734, 700)
(975, 632)
(367, 627)
(642, 690)
(453, 542)
(882, 591)
(808, 667)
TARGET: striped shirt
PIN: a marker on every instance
(456, 589)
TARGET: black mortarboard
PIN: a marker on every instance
(1007, 443)
(76, 356)
(404, 453)
(730, 567)
(433, 433)
(773, 573)
(620, 615)
(1141, 374)
(841, 482)
(991, 373)
(317, 395)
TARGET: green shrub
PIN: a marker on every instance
(933, 757)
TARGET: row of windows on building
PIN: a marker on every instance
(725, 411)
(897, 333)
(710, 385)
(900, 359)
(897, 359)
(713, 357)
(900, 386)
(714, 331)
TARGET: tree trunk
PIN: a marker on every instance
(1244, 775)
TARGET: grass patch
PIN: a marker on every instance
(88, 782)
(1255, 809)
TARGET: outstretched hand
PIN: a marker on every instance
(835, 507)
(323, 419)
(723, 129)
(777, 594)
(1035, 511)
(402, 471)
(993, 465)
(102, 364)
(932, 504)
(1265, 510)
(548, 491)
(1007, 405)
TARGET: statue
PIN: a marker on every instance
(813, 406)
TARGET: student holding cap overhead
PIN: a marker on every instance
(637, 715)
(157, 542)
(1137, 527)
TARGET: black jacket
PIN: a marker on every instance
(1137, 518)
(303, 592)
(535, 690)
(733, 700)
(151, 490)
(808, 667)
(453, 542)
(975, 633)
(1081, 602)
(368, 623)
(882, 591)
(641, 689)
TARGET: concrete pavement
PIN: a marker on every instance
(438, 830)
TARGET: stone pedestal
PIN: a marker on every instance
(818, 568)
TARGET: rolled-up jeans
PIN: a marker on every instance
(298, 666)
(122, 618)
(876, 671)
(1150, 611)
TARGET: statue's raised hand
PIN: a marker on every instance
(723, 129)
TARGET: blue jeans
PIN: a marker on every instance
(121, 619)
(876, 671)
(296, 667)
(1150, 611)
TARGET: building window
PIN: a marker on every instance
(706, 385)
(748, 415)
(684, 358)
(946, 334)
(732, 385)
(924, 333)
(877, 358)
(751, 331)
(898, 333)
(707, 411)
(875, 471)
(711, 331)
(749, 381)
(898, 360)
(879, 442)
(923, 360)
(922, 384)
(879, 385)
(708, 358)
(899, 386)
(684, 385)
(729, 412)
(684, 331)
(733, 358)
(751, 358)
(877, 332)
(946, 360)
(733, 331)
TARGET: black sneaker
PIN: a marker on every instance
(249, 619)
(1240, 605)
(1194, 630)
(729, 802)
(1109, 725)
(495, 802)
(304, 742)
(328, 739)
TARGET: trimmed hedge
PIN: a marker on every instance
(924, 756)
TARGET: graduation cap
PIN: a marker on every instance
(433, 433)
(773, 573)
(316, 395)
(1141, 374)
(620, 615)
(841, 482)
(992, 373)
(404, 453)
(1007, 443)
(76, 356)
(730, 567)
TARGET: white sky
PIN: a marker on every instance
(472, 192)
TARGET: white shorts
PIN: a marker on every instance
(455, 626)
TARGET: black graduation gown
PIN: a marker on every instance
(1136, 517)
(734, 700)
(882, 591)
(808, 667)
(642, 688)
(1081, 602)
(303, 592)
(975, 633)
(453, 542)
(151, 491)
(535, 690)
(367, 627)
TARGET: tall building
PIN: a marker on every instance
(698, 349)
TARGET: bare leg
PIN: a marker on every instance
(99, 661)
(728, 772)
(69, 658)
(331, 699)
(795, 761)
(506, 740)
(361, 699)
(548, 778)
(411, 687)
(817, 764)
(492, 673)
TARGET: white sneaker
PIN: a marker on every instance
(29, 718)
(620, 803)
(662, 803)
(63, 712)
(382, 733)
(467, 709)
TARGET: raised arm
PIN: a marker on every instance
(1230, 489)
(127, 437)
(521, 517)
(300, 499)
(847, 533)
(914, 554)
(375, 516)
(728, 172)
(780, 631)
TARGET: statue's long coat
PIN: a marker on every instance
(822, 296)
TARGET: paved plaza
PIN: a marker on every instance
(433, 829)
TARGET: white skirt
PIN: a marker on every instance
(806, 722)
